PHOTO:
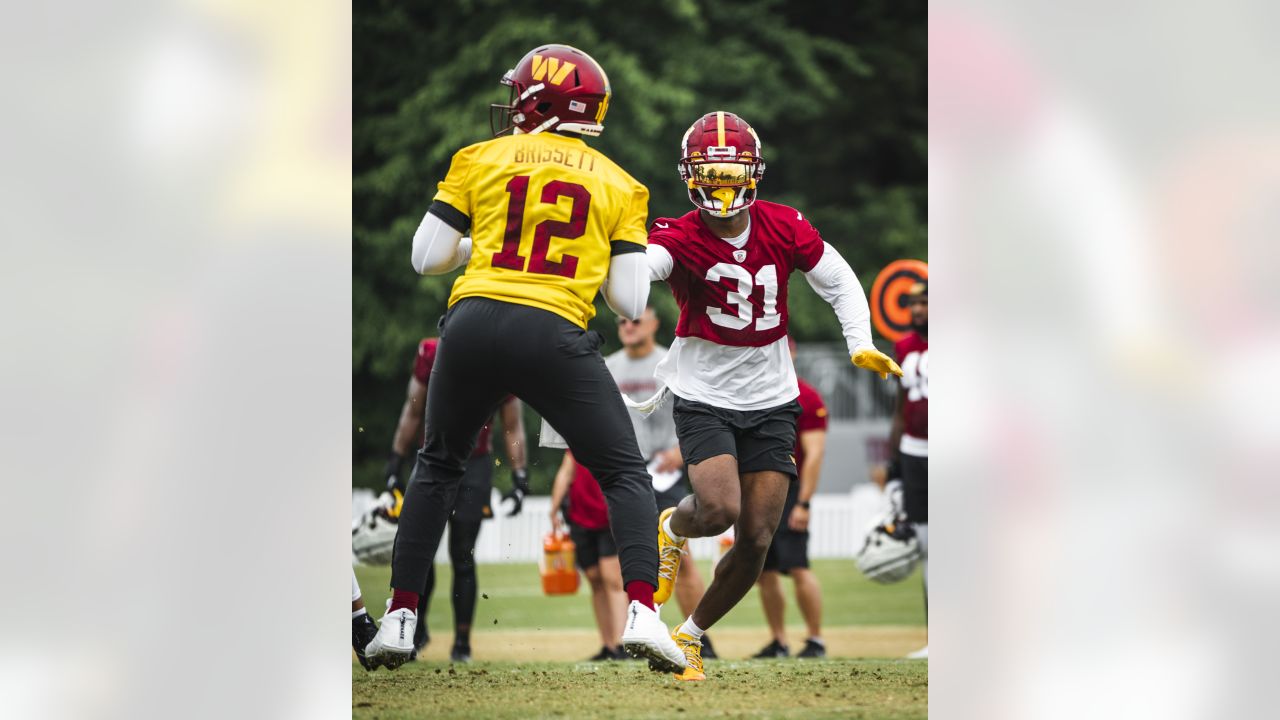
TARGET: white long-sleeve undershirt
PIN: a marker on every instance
(660, 262)
(834, 281)
(626, 288)
(438, 248)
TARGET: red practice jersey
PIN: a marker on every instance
(422, 371)
(913, 357)
(730, 296)
(813, 416)
(586, 501)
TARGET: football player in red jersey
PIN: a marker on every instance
(909, 436)
(727, 263)
(472, 506)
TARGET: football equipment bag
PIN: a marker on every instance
(373, 535)
(890, 551)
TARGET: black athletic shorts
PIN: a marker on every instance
(590, 545)
(475, 491)
(759, 439)
(915, 488)
(789, 549)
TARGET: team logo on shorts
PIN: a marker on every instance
(739, 255)
(793, 459)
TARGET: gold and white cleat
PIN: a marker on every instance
(692, 656)
(669, 553)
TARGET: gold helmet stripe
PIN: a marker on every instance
(602, 109)
(720, 128)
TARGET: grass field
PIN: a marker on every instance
(761, 688)
(529, 650)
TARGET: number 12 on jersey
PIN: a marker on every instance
(766, 277)
(509, 257)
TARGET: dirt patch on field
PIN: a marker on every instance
(877, 641)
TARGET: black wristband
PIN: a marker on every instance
(803, 503)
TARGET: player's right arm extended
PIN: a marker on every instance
(626, 289)
(438, 245)
(660, 262)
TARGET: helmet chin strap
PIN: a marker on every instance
(550, 122)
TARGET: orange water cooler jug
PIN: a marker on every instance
(559, 576)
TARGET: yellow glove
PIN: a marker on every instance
(877, 362)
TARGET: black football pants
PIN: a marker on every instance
(491, 349)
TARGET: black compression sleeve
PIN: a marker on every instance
(622, 247)
(452, 216)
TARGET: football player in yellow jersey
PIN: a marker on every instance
(552, 222)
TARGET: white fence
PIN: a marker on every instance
(836, 527)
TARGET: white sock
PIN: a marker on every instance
(357, 613)
(691, 629)
(666, 527)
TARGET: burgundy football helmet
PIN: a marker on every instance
(554, 87)
(721, 163)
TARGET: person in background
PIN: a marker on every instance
(595, 553)
(789, 552)
(909, 436)
(363, 628)
(473, 498)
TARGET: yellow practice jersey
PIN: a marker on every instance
(546, 212)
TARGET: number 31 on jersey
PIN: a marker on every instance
(766, 278)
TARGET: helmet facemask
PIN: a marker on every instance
(723, 181)
(507, 118)
(721, 164)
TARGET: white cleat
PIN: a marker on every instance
(921, 654)
(646, 636)
(393, 644)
